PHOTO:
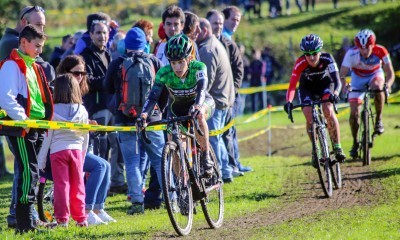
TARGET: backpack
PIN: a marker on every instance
(137, 79)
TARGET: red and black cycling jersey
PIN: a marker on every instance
(314, 79)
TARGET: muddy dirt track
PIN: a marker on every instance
(357, 191)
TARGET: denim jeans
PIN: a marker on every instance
(216, 122)
(131, 150)
(116, 161)
(98, 182)
(106, 146)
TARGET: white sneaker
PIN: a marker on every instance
(105, 217)
(93, 219)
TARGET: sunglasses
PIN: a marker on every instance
(311, 53)
(96, 21)
(36, 8)
(78, 74)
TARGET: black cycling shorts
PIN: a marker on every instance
(311, 90)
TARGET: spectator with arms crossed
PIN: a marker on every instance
(370, 64)
(319, 76)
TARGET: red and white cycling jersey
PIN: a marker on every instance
(366, 66)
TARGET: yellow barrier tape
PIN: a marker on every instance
(254, 135)
(261, 113)
(54, 125)
(220, 131)
(275, 87)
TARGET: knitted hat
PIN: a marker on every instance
(135, 39)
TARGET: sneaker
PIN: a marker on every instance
(64, 224)
(339, 155)
(227, 180)
(136, 208)
(105, 217)
(93, 219)
(245, 168)
(82, 224)
(56, 224)
(237, 173)
(207, 164)
(354, 150)
(379, 129)
(39, 223)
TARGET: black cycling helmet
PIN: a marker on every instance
(311, 43)
(178, 47)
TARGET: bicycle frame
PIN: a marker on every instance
(321, 155)
(176, 131)
(367, 120)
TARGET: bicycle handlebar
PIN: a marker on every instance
(385, 89)
(311, 104)
(143, 133)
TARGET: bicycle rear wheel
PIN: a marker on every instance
(321, 153)
(213, 204)
(45, 199)
(177, 190)
(366, 151)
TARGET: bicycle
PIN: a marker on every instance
(367, 121)
(182, 181)
(328, 167)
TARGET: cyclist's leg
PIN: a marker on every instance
(376, 83)
(206, 112)
(355, 101)
(305, 95)
(332, 122)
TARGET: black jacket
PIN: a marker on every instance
(97, 98)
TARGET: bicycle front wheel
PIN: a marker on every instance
(366, 151)
(213, 204)
(177, 190)
(321, 153)
(45, 200)
(336, 175)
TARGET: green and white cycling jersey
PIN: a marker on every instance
(182, 93)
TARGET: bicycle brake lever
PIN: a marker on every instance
(290, 116)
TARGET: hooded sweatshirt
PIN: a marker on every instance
(58, 140)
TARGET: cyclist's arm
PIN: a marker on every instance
(299, 66)
(292, 87)
(202, 83)
(334, 73)
(389, 74)
(153, 97)
(344, 71)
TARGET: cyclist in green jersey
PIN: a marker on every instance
(186, 81)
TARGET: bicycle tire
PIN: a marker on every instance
(213, 204)
(177, 190)
(336, 175)
(366, 151)
(45, 199)
(320, 148)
